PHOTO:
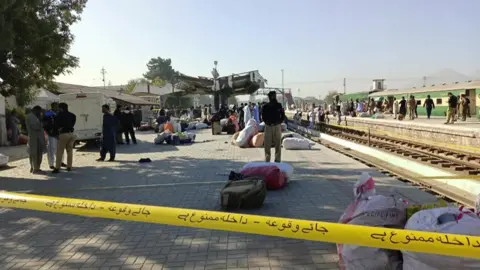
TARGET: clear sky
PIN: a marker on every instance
(316, 42)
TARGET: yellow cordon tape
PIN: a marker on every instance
(434, 243)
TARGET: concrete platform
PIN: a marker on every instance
(461, 135)
(178, 176)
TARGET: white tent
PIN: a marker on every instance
(44, 99)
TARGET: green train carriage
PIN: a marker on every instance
(439, 94)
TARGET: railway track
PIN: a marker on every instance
(461, 163)
(447, 159)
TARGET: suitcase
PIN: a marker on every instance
(248, 193)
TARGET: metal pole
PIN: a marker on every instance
(283, 91)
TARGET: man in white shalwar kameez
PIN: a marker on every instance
(247, 114)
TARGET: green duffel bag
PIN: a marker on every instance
(243, 194)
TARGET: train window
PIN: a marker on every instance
(419, 102)
(467, 92)
(439, 101)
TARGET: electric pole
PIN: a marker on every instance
(424, 81)
(344, 85)
(283, 91)
(103, 71)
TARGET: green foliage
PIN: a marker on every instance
(178, 101)
(133, 82)
(330, 97)
(34, 44)
(161, 69)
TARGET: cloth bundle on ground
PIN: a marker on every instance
(297, 144)
(3, 160)
(234, 138)
(192, 125)
(271, 174)
(168, 126)
(447, 220)
(247, 133)
(201, 126)
(378, 116)
(257, 140)
(246, 193)
(285, 168)
(145, 127)
(363, 114)
(291, 135)
(369, 209)
(175, 138)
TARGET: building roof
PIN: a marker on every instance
(434, 88)
(160, 91)
(65, 88)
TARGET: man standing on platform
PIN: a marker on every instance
(452, 108)
(49, 124)
(36, 139)
(429, 105)
(109, 134)
(273, 115)
(65, 124)
(119, 115)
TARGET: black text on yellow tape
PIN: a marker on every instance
(435, 243)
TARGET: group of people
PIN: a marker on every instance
(58, 124)
(115, 126)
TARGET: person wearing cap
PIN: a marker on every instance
(273, 115)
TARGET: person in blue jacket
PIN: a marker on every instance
(109, 133)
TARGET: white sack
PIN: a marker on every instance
(261, 127)
(369, 209)
(192, 125)
(247, 133)
(467, 223)
(286, 168)
(297, 144)
(3, 160)
(223, 122)
(201, 126)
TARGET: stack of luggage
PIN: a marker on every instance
(248, 188)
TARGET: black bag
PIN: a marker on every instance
(247, 194)
(234, 176)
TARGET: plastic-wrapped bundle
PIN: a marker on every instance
(447, 220)
(247, 133)
(369, 209)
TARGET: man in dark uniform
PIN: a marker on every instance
(109, 134)
(119, 115)
(273, 115)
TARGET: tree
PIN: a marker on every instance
(133, 82)
(329, 98)
(34, 44)
(160, 68)
(35, 39)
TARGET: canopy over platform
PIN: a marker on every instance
(237, 84)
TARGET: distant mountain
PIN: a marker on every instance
(442, 76)
(476, 75)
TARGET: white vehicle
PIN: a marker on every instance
(88, 109)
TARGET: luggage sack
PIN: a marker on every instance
(273, 177)
(243, 194)
(446, 220)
